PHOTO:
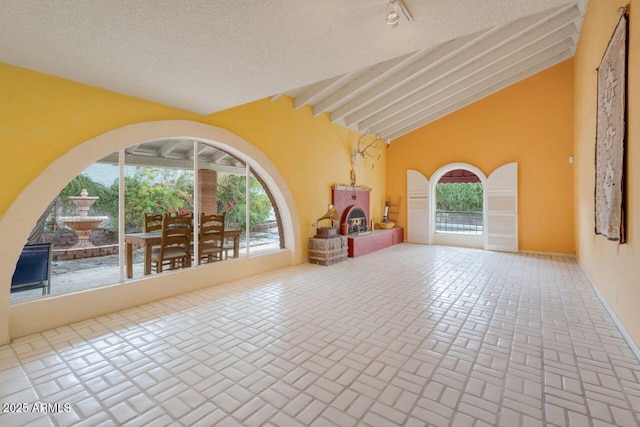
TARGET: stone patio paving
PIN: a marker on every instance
(88, 273)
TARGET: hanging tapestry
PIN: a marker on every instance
(611, 135)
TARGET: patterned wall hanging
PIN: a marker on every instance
(611, 131)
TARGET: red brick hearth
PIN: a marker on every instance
(353, 206)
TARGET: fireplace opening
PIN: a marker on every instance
(356, 220)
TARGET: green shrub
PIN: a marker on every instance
(232, 195)
(462, 197)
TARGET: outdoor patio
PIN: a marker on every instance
(89, 273)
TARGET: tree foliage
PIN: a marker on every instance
(232, 195)
(461, 197)
(158, 191)
(107, 203)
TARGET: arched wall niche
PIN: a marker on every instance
(19, 218)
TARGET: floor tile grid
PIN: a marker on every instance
(352, 322)
(444, 345)
(446, 316)
(523, 401)
(490, 375)
(584, 315)
(357, 319)
(439, 365)
(563, 362)
(437, 369)
(111, 343)
(564, 400)
(222, 363)
(553, 366)
(37, 339)
(247, 372)
(432, 302)
(87, 363)
(14, 387)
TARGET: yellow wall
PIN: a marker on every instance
(43, 117)
(311, 153)
(609, 265)
(529, 123)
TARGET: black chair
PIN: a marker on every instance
(33, 270)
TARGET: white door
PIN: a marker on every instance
(501, 220)
(417, 208)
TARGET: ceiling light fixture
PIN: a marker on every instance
(394, 7)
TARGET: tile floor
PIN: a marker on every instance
(411, 335)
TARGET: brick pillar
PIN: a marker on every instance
(208, 191)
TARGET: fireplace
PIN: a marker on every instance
(352, 204)
(356, 220)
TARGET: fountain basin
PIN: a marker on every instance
(82, 223)
(79, 223)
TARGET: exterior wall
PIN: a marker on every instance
(530, 123)
(44, 128)
(611, 267)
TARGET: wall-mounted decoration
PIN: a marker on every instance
(367, 151)
(611, 130)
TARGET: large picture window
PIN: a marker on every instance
(111, 240)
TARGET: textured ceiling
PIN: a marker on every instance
(395, 97)
(209, 55)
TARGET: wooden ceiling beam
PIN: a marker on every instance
(165, 149)
(429, 59)
(488, 47)
(477, 72)
(316, 91)
(471, 98)
(371, 77)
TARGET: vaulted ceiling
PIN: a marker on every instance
(398, 96)
(208, 55)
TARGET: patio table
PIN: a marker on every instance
(154, 238)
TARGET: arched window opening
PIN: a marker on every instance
(459, 203)
(100, 237)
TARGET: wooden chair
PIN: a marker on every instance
(212, 243)
(152, 223)
(209, 238)
(175, 246)
(227, 243)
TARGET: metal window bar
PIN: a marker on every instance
(459, 222)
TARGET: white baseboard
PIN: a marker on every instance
(616, 320)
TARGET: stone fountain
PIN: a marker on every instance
(82, 223)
